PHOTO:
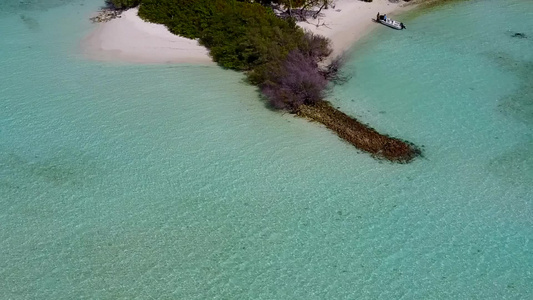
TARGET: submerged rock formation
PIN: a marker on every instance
(360, 135)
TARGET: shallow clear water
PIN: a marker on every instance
(141, 181)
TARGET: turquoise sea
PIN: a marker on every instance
(123, 181)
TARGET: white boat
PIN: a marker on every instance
(389, 22)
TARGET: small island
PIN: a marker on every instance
(292, 67)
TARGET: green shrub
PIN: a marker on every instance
(123, 4)
(240, 35)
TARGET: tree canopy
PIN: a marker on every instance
(123, 4)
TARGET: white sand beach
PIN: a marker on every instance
(350, 20)
(131, 39)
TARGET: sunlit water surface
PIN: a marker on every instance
(122, 181)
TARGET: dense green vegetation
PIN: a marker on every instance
(239, 35)
(123, 4)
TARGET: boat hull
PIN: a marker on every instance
(392, 24)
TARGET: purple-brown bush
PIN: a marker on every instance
(315, 46)
(296, 81)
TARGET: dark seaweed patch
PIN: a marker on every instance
(18, 6)
(65, 169)
(520, 103)
(515, 166)
(519, 35)
(30, 22)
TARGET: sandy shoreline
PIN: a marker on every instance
(350, 20)
(131, 39)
